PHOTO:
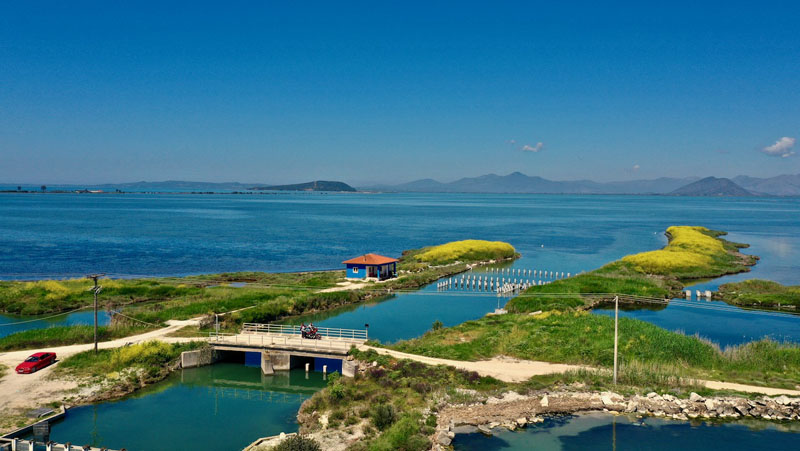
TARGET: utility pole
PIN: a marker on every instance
(616, 336)
(96, 290)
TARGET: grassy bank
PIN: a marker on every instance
(582, 338)
(387, 402)
(135, 365)
(692, 253)
(66, 335)
(760, 294)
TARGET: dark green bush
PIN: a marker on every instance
(298, 443)
(383, 416)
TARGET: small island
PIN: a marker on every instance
(317, 185)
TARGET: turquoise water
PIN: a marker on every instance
(225, 406)
(601, 431)
(406, 315)
(12, 324)
(716, 321)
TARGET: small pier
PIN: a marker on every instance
(502, 281)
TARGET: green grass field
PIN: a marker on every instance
(583, 338)
(66, 335)
(760, 294)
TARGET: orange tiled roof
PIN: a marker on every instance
(370, 259)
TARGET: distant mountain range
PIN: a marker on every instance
(516, 182)
(318, 185)
(711, 186)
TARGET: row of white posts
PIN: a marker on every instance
(700, 295)
(537, 273)
(486, 283)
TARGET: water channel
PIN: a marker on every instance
(225, 406)
(12, 324)
(603, 431)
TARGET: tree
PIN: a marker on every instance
(437, 325)
(44, 188)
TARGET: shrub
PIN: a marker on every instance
(437, 325)
(383, 416)
(403, 435)
(298, 443)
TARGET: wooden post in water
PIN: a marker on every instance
(616, 336)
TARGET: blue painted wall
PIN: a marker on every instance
(362, 271)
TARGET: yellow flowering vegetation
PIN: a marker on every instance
(140, 353)
(466, 251)
(690, 250)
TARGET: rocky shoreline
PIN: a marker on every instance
(513, 410)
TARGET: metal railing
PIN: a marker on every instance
(266, 340)
(325, 332)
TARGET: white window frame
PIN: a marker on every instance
(355, 269)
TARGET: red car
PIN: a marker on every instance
(36, 362)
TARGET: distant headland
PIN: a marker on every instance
(318, 185)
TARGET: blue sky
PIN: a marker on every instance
(394, 91)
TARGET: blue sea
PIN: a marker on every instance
(69, 235)
(129, 235)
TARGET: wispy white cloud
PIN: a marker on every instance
(535, 148)
(781, 148)
(511, 141)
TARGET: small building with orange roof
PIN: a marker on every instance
(371, 266)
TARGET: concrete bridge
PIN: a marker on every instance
(280, 347)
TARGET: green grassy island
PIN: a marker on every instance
(692, 253)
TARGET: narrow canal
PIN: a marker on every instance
(225, 406)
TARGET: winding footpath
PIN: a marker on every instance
(508, 369)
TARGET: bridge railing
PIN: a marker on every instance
(326, 332)
(274, 339)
